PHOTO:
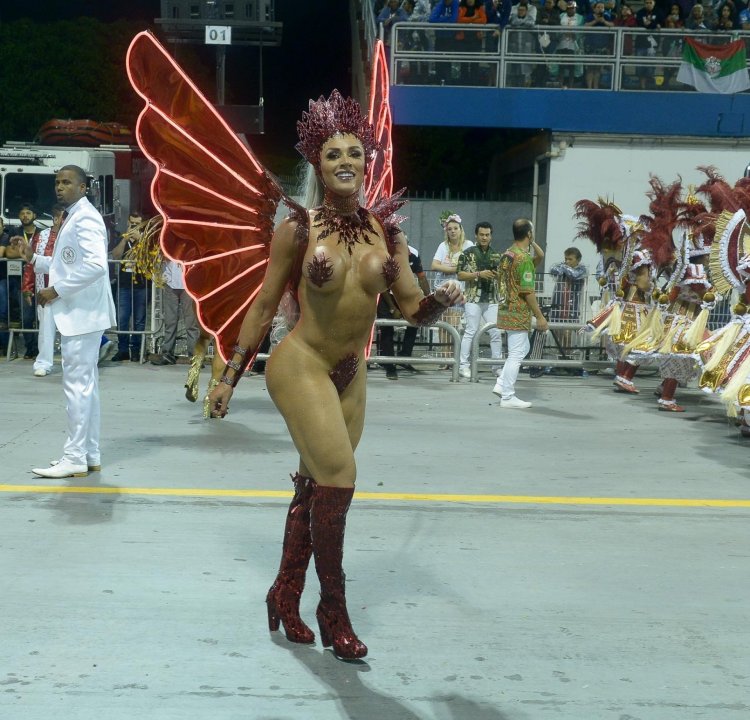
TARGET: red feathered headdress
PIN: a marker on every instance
(600, 223)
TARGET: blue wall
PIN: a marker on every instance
(636, 113)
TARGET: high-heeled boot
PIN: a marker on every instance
(193, 377)
(283, 598)
(212, 383)
(327, 524)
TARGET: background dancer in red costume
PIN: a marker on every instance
(333, 261)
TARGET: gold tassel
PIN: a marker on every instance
(697, 330)
(649, 336)
(615, 319)
(722, 345)
(605, 324)
(666, 346)
(731, 391)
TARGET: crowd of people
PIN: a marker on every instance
(650, 16)
(662, 275)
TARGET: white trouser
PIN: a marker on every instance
(46, 339)
(474, 315)
(80, 354)
(518, 347)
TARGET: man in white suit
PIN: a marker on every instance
(80, 299)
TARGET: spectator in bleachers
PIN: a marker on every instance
(597, 43)
(530, 9)
(673, 43)
(446, 11)
(391, 14)
(727, 17)
(743, 18)
(521, 41)
(548, 15)
(675, 19)
(568, 44)
(696, 20)
(498, 12)
(649, 21)
(418, 10)
(626, 18)
(471, 12)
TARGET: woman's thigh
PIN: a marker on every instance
(324, 426)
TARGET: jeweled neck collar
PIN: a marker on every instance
(341, 204)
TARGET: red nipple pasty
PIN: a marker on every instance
(391, 270)
(319, 270)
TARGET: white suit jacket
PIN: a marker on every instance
(78, 271)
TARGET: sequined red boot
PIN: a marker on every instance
(283, 598)
(328, 523)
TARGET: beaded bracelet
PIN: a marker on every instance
(429, 310)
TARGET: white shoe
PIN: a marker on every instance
(93, 465)
(106, 350)
(464, 372)
(498, 389)
(41, 372)
(62, 469)
(514, 402)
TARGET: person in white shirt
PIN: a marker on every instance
(175, 303)
(80, 298)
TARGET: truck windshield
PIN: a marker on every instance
(19, 188)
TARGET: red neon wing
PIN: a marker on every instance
(217, 201)
(379, 180)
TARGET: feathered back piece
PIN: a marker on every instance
(326, 118)
(718, 191)
(690, 210)
(599, 222)
(742, 193)
(657, 236)
(721, 198)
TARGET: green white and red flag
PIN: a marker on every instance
(714, 68)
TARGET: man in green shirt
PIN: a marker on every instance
(477, 268)
(516, 306)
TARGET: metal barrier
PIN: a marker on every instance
(18, 320)
(452, 362)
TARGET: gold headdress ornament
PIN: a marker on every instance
(336, 116)
(731, 245)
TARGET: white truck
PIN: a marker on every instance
(118, 177)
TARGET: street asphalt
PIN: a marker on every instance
(586, 559)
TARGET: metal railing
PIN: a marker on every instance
(542, 56)
(19, 318)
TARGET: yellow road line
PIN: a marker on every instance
(411, 497)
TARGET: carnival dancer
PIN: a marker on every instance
(334, 260)
(678, 322)
(726, 352)
(625, 273)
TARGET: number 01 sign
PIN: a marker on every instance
(218, 35)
